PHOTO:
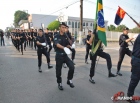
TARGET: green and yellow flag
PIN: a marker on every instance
(101, 22)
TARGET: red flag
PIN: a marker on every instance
(119, 16)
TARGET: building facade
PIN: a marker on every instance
(35, 21)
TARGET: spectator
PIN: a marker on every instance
(2, 38)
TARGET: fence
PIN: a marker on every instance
(112, 36)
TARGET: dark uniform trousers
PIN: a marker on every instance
(93, 61)
(41, 51)
(17, 44)
(122, 52)
(73, 53)
(135, 76)
(60, 59)
(50, 47)
(87, 51)
(34, 43)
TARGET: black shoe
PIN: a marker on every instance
(60, 87)
(86, 62)
(131, 101)
(111, 75)
(70, 84)
(118, 73)
(39, 70)
(50, 66)
(92, 81)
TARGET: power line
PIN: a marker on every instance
(58, 10)
(109, 8)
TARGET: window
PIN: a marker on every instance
(72, 24)
(78, 24)
(75, 24)
(91, 24)
(69, 23)
(83, 24)
(86, 24)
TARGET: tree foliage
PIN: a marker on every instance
(20, 15)
(111, 28)
(120, 28)
(135, 30)
(53, 25)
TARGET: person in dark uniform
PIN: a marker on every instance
(2, 38)
(22, 39)
(31, 36)
(100, 53)
(61, 47)
(34, 38)
(123, 42)
(41, 44)
(47, 35)
(69, 36)
(135, 63)
(88, 46)
(18, 39)
(54, 33)
(26, 39)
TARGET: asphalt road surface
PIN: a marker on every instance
(20, 81)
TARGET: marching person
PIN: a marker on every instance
(61, 47)
(123, 42)
(34, 38)
(135, 63)
(41, 44)
(88, 46)
(47, 35)
(22, 40)
(68, 34)
(100, 53)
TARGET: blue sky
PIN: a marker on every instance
(8, 7)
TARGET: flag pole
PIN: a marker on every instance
(133, 20)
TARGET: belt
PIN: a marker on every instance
(124, 47)
(61, 53)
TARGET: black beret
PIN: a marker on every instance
(63, 23)
(126, 28)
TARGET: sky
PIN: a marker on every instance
(8, 8)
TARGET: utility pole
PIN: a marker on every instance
(81, 22)
(81, 15)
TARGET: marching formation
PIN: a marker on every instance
(41, 40)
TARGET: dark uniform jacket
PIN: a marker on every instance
(122, 40)
(62, 40)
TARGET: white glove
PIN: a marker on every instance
(73, 46)
(43, 44)
(135, 36)
(47, 46)
(67, 50)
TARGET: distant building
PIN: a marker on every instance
(23, 24)
(35, 21)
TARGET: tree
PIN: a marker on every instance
(120, 28)
(54, 25)
(20, 15)
(111, 28)
(135, 30)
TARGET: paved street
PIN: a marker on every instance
(20, 81)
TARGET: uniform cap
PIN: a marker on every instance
(63, 23)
